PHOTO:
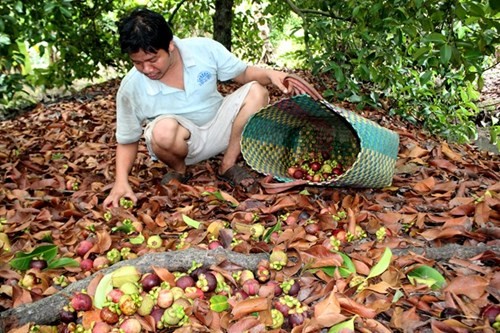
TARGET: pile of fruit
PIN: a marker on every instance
(130, 302)
(316, 167)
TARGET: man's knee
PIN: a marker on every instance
(165, 132)
(258, 93)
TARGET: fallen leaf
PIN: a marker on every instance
(472, 286)
(249, 305)
(425, 185)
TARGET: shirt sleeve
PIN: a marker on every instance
(128, 125)
(228, 65)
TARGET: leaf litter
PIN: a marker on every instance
(58, 163)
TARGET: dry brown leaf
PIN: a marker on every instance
(482, 214)
(472, 286)
(418, 152)
(22, 329)
(319, 256)
(91, 317)
(432, 234)
(449, 153)
(250, 305)
(351, 306)
(20, 296)
(407, 321)
(92, 286)
(425, 185)
(443, 164)
(327, 312)
(244, 325)
(165, 275)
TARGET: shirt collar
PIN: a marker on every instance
(154, 87)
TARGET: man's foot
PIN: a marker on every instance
(237, 175)
(181, 177)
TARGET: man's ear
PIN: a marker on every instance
(171, 46)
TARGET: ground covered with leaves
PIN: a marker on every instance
(418, 256)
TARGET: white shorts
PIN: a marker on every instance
(210, 139)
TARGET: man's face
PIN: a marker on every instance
(153, 65)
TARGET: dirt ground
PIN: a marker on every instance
(490, 108)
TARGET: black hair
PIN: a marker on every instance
(144, 30)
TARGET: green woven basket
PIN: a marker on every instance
(278, 135)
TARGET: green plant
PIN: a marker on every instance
(22, 260)
(421, 60)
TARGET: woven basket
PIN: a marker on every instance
(278, 135)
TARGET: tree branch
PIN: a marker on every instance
(47, 310)
(176, 9)
(448, 251)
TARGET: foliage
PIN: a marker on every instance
(422, 60)
(74, 39)
(22, 260)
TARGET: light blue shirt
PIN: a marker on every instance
(141, 99)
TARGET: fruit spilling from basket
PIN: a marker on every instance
(316, 167)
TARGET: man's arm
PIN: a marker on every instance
(264, 76)
(125, 157)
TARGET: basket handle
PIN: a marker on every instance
(274, 188)
(294, 82)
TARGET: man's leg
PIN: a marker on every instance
(257, 98)
(168, 142)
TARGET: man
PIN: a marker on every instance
(172, 91)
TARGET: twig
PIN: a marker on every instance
(448, 251)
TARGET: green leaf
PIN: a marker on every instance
(425, 77)
(137, 240)
(476, 10)
(22, 259)
(127, 227)
(21, 264)
(216, 194)
(426, 275)
(445, 52)
(47, 252)
(4, 39)
(349, 324)
(63, 262)
(382, 265)
(276, 227)
(494, 5)
(49, 7)
(355, 98)
(434, 38)
(420, 52)
(102, 290)
(190, 222)
(339, 75)
(347, 267)
(329, 270)
(397, 296)
(218, 303)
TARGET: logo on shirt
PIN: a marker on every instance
(203, 77)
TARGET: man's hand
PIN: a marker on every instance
(267, 76)
(119, 191)
(297, 86)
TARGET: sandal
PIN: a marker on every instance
(237, 175)
(181, 177)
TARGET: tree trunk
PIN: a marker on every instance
(223, 20)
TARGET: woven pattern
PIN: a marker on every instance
(280, 134)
